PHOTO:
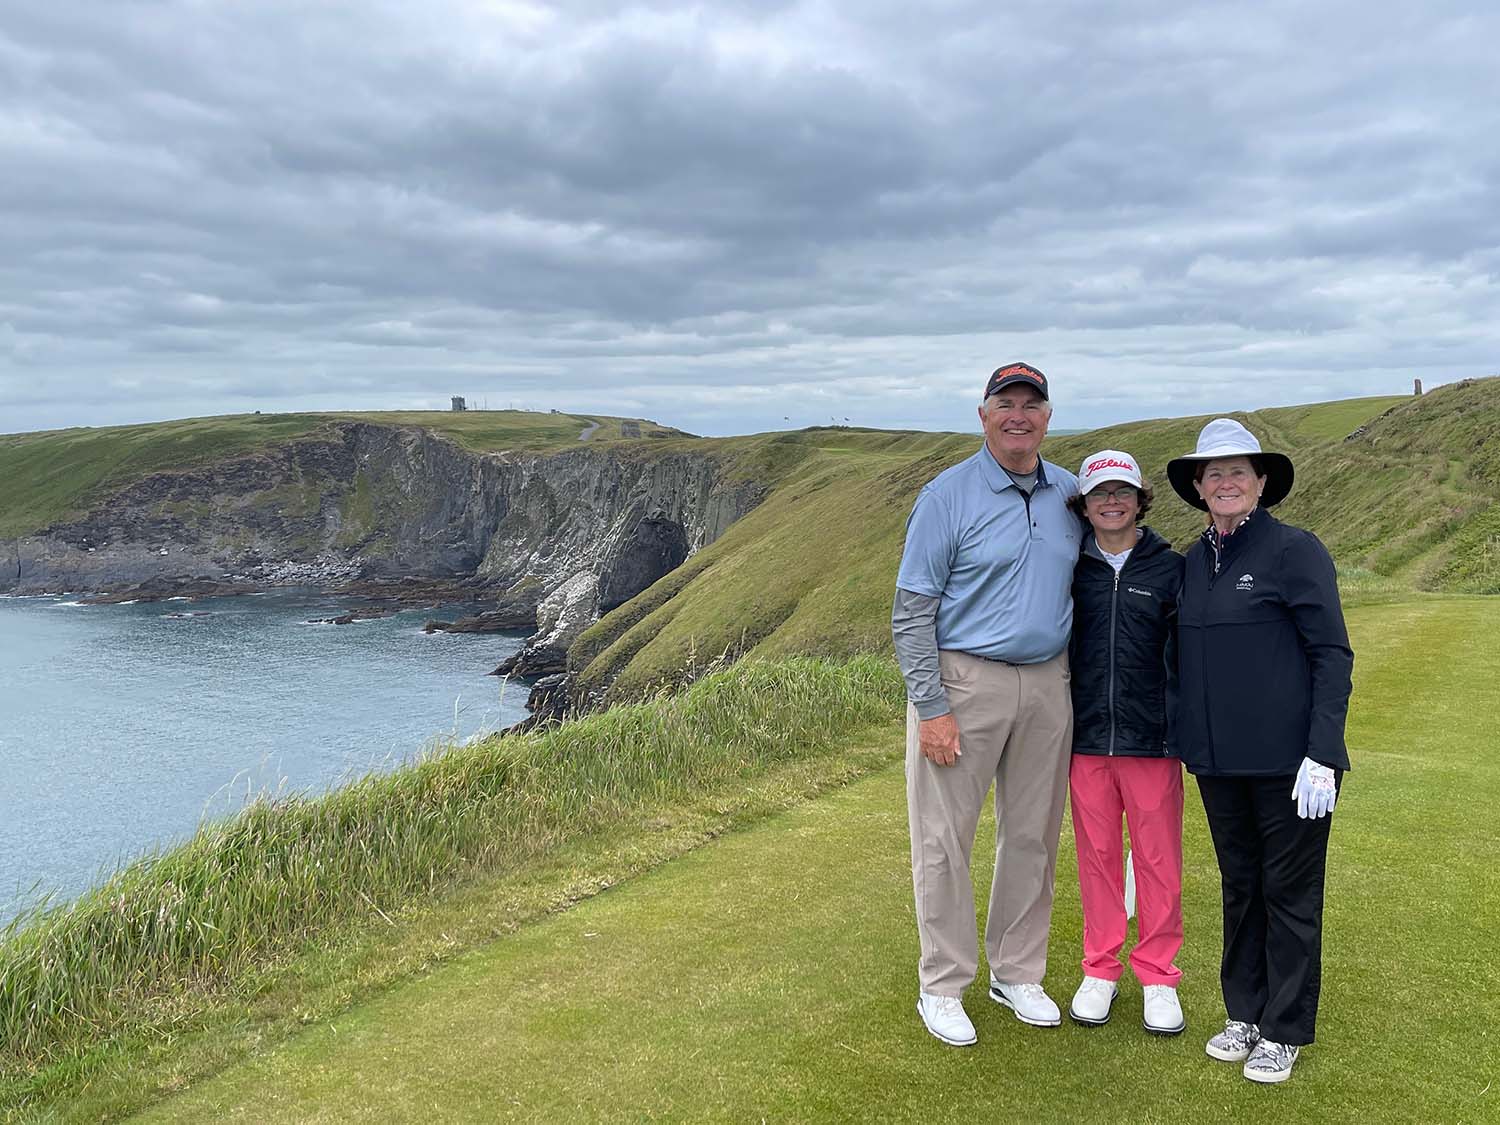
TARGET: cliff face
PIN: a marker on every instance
(369, 502)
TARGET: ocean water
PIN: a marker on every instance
(123, 726)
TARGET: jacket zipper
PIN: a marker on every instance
(1114, 599)
(1208, 718)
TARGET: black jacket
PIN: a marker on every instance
(1264, 656)
(1121, 653)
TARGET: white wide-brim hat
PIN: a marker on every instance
(1224, 437)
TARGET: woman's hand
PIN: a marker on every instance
(1314, 790)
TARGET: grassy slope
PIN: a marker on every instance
(197, 937)
(1334, 421)
(770, 976)
(59, 474)
(812, 569)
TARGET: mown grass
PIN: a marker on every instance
(771, 976)
(157, 943)
(1334, 421)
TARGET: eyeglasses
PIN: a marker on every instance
(1122, 492)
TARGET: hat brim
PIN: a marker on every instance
(1279, 477)
(1108, 477)
(1038, 385)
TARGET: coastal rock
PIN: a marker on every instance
(543, 660)
(562, 615)
(370, 613)
(538, 660)
(549, 698)
(164, 590)
(480, 623)
(555, 539)
(515, 612)
(653, 548)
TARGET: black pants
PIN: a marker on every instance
(1271, 863)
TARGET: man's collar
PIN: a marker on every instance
(998, 477)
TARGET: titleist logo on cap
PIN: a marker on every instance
(1016, 373)
(1106, 463)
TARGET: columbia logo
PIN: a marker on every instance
(1138, 590)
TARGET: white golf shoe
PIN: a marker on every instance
(1030, 1003)
(946, 1019)
(1163, 1013)
(1093, 1000)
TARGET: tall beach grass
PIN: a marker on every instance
(163, 935)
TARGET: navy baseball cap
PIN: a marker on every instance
(1013, 373)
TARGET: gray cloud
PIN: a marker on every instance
(729, 217)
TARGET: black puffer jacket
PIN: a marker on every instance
(1122, 651)
(1265, 656)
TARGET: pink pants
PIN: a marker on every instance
(1148, 791)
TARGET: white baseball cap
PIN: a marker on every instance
(1108, 465)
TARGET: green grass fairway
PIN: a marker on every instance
(771, 974)
(1334, 421)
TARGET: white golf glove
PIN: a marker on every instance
(1313, 790)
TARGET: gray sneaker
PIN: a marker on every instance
(1271, 1062)
(1234, 1043)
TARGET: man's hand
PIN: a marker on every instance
(939, 738)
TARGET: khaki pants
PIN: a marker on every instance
(1015, 726)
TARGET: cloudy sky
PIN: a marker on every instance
(741, 216)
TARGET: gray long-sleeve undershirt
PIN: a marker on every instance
(914, 630)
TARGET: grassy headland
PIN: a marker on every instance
(56, 475)
(1407, 503)
(172, 934)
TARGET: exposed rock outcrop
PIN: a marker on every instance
(553, 539)
(549, 698)
(655, 547)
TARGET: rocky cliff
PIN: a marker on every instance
(551, 538)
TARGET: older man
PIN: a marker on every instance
(981, 622)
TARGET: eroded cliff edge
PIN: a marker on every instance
(552, 540)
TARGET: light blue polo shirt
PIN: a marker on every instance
(1002, 568)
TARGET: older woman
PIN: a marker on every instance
(1124, 618)
(1265, 680)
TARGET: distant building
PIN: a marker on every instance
(1417, 387)
(458, 403)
